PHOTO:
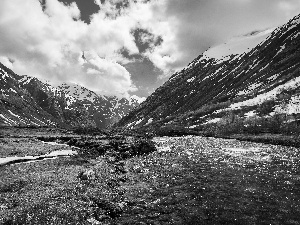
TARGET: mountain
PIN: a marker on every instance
(64, 108)
(250, 78)
(16, 104)
(104, 110)
(26, 100)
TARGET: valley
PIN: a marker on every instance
(217, 143)
(80, 185)
(116, 179)
(248, 85)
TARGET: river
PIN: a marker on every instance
(199, 180)
(29, 159)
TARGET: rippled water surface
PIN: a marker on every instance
(196, 180)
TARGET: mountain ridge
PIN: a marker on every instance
(26, 100)
(207, 87)
(105, 110)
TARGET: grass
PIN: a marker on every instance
(195, 183)
(128, 182)
(275, 139)
(51, 191)
(23, 147)
(57, 191)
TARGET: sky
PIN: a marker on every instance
(124, 47)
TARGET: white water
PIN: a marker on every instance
(51, 155)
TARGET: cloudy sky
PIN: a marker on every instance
(124, 47)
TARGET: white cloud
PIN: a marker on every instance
(59, 10)
(289, 8)
(199, 24)
(49, 44)
(138, 99)
(98, 69)
(6, 62)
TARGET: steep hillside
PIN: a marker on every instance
(256, 75)
(17, 107)
(25, 100)
(61, 106)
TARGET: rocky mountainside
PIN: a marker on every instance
(104, 110)
(253, 76)
(25, 100)
(16, 104)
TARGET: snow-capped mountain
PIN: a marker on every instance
(17, 107)
(250, 75)
(105, 110)
(26, 100)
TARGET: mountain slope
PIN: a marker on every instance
(26, 100)
(62, 107)
(104, 110)
(17, 107)
(223, 80)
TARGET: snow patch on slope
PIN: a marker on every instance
(25, 79)
(13, 114)
(267, 96)
(4, 74)
(8, 121)
(293, 106)
(190, 80)
(78, 92)
(238, 45)
(250, 89)
(135, 98)
(215, 120)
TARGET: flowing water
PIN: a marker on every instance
(52, 155)
(197, 180)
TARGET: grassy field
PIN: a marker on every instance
(81, 189)
(118, 179)
(276, 139)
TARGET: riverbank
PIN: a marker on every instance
(117, 179)
(77, 189)
(292, 140)
(205, 180)
(275, 139)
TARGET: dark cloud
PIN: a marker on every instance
(43, 4)
(86, 7)
(118, 5)
(125, 53)
(122, 4)
(144, 75)
(145, 40)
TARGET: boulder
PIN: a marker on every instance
(87, 175)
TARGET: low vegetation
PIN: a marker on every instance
(81, 189)
(130, 179)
